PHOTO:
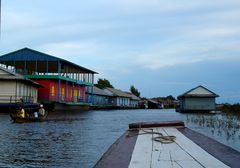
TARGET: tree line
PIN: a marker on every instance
(104, 83)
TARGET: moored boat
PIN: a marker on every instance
(22, 115)
(167, 144)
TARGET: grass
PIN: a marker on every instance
(230, 108)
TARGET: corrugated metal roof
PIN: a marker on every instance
(27, 54)
(119, 93)
(133, 97)
(97, 91)
(15, 76)
(199, 91)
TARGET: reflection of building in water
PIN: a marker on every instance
(198, 99)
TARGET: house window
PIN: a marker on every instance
(63, 93)
(53, 91)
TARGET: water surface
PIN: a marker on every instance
(79, 139)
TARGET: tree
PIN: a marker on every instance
(103, 83)
(170, 97)
(134, 91)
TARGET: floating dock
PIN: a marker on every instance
(147, 145)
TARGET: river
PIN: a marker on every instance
(79, 139)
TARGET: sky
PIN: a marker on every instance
(161, 47)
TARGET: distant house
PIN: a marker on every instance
(197, 99)
(134, 100)
(150, 104)
(120, 98)
(100, 97)
(16, 88)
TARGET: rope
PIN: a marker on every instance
(165, 139)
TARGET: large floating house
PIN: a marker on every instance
(64, 83)
(198, 99)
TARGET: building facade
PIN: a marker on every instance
(120, 98)
(134, 100)
(101, 98)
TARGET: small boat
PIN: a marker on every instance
(167, 144)
(16, 119)
(31, 115)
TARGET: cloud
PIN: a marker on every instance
(171, 6)
(215, 32)
(19, 20)
(72, 49)
(174, 54)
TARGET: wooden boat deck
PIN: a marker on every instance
(136, 149)
(181, 153)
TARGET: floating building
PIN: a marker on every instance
(102, 98)
(198, 99)
(64, 83)
(121, 99)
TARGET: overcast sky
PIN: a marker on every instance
(161, 47)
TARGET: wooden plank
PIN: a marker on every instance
(149, 153)
(156, 124)
(224, 153)
(190, 149)
(195, 151)
(119, 154)
(170, 155)
(181, 153)
(142, 154)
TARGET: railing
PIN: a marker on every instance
(16, 99)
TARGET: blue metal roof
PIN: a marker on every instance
(27, 54)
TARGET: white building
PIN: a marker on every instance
(15, 88)
(120, 98)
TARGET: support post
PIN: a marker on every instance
(59, 81)
(66, 92)
(59, 90)
(92, 96)
(72, 91)
(78, 93)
